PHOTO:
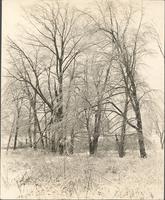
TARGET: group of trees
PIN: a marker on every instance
(74, 72)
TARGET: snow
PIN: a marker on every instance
(41, 175)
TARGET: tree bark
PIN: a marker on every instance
(140, 132)
(59, 115)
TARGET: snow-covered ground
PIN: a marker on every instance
(43, 175)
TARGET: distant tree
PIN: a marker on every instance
(14, 98)
(155, 117)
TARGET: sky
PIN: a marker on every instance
(154, 12)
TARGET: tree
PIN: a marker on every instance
(14, 98)
(99, 85)
(154, 114)
(57, 39)
(77, 75)
(129, 45)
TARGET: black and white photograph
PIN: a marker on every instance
(82, 99)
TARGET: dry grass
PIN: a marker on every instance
(42, 175)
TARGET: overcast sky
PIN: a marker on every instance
(154, 12)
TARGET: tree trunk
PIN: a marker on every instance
(8, 144)
(61, 138)
(36, 125)
(46, 132)
(15, 138)
(121, 144)
(93, 142)
(30, 137)
(140, 133)
(33, 105)
(71, 148)
(35, 133)
(162, 144)
(11, 132)
(161, 139)
(49, 139)
(52, 140)
(39, 128)
(59, 115)
(61, 146)
(46, 139)
(121, 150)
(16, 131)
(136, 107)
(29, 129)
(53, 143)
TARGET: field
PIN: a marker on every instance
(43, 175)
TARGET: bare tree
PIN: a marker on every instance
(99, 86)
(72, 83)
(17, 98)
(129, 46)
(57, 33)
(154, 113)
